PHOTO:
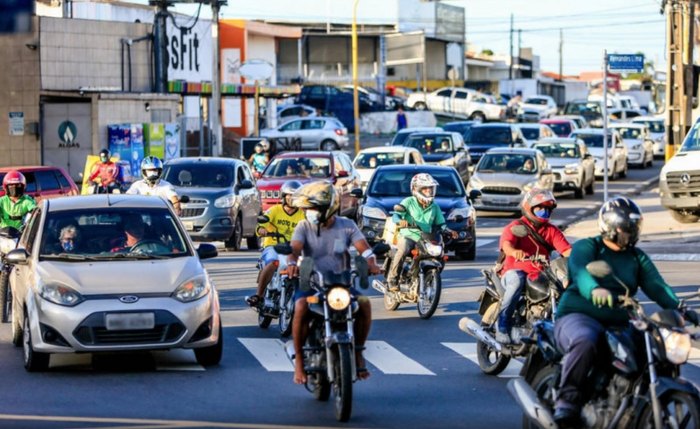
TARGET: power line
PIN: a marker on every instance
(531, 30)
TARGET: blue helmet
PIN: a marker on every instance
(151, 169)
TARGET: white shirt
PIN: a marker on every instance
(162, 189)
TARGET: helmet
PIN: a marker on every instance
(151, 169)
(419, 184)
(104, 155)
(321, 196)
(538, 205)
(288, 188)
(620, 221)
(14, 183)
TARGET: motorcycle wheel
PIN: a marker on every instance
(390, 302)
(491, 362)
(287, 314)
(321, 388)
(343, 383)
(433, 287)
(678, 409)
(5, 296)
(544, 384)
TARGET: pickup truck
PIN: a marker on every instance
(460, 102)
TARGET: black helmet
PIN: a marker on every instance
(289, 188)
(320, 196)
(105, 155)
(620, 221)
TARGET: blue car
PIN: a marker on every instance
(392, 183)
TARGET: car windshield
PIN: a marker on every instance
(302, 166)
(539, 101)
(377, 159)
(562, 129)
(692, 140)
(495, 136)
(428, 144)
(593, 140)
(630, 133)
(559, 150)
(199, 175)
(507, 163)
(400, 138)
(654, 126)
(397, 183)
(112, 233)
(583, 109)
(530, 133)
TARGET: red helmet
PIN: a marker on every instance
(16, 179)
(538, 199)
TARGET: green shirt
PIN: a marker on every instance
(424, 218)
(12, 214)
(632, 266)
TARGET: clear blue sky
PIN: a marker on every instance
(589, 27)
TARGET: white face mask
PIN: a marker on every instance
(313, 216)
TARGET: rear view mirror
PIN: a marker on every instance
(263, 219)
(184, 199)
(9, 232)
(246, 184)
(474, 194)
(207, 251)
(380, 248)
(357, 193)
(343, 173)
(17, 257)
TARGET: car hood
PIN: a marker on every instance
(121, 277)
(387, 203)
(682, 161)
(561, 162)
(274, 183)
(205, 193)
(504, 179)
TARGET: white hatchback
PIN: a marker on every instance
(640, 148)
(368, 160)
(617, 151)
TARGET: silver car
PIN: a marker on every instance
(572, 165)
(320, 132)
(132, 280)
(504, 175)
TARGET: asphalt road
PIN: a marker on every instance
(423, 372)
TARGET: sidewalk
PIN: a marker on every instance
(663, 238)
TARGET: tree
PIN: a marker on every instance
(488, 52)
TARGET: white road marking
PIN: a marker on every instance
(468, 350)
(694, 358)
(269, 352)
(391, 361)
(582, 211)
(675, 257)
(484, 241)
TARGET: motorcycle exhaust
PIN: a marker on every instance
(378, 286)
(530, 404)
(289, 349)
(472, 328)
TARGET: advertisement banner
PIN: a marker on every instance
(90, 167)
(119, 138)
(189, 50)
(137, 147)
(154, 139)
(172, 141)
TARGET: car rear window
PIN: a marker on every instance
(63, 181)
(363, 160)
(562, 129)
(302, 166)
(593, 140)
(530, 133)
(491, 135)
(558, 150)
(199, 175)
(397, 183)
(431, 143)
(507, 163)
(47, 180)
(31, 181)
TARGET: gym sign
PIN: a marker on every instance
(189, 50)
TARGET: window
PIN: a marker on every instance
(240, 176)
(31, 181)
(312, 124)
(461, 95)
(47, 180)
(63, 181)
(444, 93)
(345, 162)
(290, 112)
(27, 240)
(291, 126)
(199, 175)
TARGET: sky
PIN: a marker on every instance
(588, 27)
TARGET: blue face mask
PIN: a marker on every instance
(542, 212)
(68, 246)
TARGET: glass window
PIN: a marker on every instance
(630, 133)
(291, 126)
(398, 184)
(313, 124)
(63, 181)
(531, 133)
(29, 236)
(559, 150)
(507, 163)
(301, 166)
(496, 136)
(199, 175)
(429, 144)
(47, 181)
(444, 93)
(537, 101)
(654, 126)
(364, 160)
(461, 95)
(592, 140)
(562, 129)
(345, 162)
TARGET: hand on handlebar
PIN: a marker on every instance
(518, 255)
(403, 223)
(601, 297)
(292, 271)
(262, 232)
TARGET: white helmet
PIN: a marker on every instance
(423, 187)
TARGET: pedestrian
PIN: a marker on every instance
(401, 121)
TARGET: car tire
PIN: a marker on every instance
(469, 254)
(613, 174)
(253, 243)
(420, 106)
(211, 355)
(478, 117)
(5, 296)
(685, 216)
(33, 361)
(328, 145)
(234, 242)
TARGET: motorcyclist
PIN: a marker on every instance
(284, 217)
(15, 204)
(588, 306)
(106, 170)
(326, 237)
(421, 210)
(152, 184)
(258, 161)
(537, 207)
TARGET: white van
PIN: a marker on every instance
(679, 182)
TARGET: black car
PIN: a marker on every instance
(483, 137)
(333, 100)
(392, 183)
(443, 148)
(461, 127)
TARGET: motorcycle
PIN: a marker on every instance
(98, 188)
(640, 387)
(419, 280)
(278, 301)
(8, 241)
(329, 351)
(538, 302)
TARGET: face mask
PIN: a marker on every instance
(543, 212)
(313, 216)
(68, 246)
(103, 158)
(14, 191)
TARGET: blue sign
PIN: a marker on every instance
(16, 16)
(625, 63)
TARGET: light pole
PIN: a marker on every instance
(355, 95)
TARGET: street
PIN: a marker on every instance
(423, 373)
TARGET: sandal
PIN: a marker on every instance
(362, 371)
(253, 300)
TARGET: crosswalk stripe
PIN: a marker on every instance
(484, 241)
(269, 352)
(391, 361)
(468, 350)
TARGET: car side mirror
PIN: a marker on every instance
(399, 208)
(184, 199)
(474, 194)
(342, 173)
(246, 184)
(587, 156)
(17, 257)
(207, 251)
(357, 193)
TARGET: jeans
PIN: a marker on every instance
(513, 282)
(403, 248)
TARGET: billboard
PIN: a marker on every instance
(189, 49)
(449, 22)
(405, 48)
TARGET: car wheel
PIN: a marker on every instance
(17, 328)
(651, 160)
(683, 216)
(623, 173)
(612, 174)
(478, 117)
(253, 243)
(234, 242)
(33, 361)
(329, 145)
(420, 106)
(211, 355)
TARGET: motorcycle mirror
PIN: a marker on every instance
(380, 248)
(599, 269)
(362, 271)
(263, 219)
(519, 231)
(399, 208)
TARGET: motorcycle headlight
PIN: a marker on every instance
(434, 250)
(373, 212)
(191, 290)
(225, 202)
(571, 169)
(464, 212)
(338, 298)
(528, 186)
(60, 294)
(677, 345)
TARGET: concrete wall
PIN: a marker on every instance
(19, 93)
(82, 53)
(385, 122)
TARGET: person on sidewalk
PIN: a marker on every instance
(401, 120)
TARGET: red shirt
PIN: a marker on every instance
(550, 233)
(107, 171)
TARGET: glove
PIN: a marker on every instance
(601, 297)
(692, 316)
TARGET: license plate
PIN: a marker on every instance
(188, 225)
(129, 321)
(500, 201)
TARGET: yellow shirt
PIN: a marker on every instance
(284, 223)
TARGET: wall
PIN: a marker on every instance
(19, 93)
(385, 122)
(81, 53)
(232, 34)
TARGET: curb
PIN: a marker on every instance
(638, 189)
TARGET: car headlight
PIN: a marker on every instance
(475, 183)
(677, 345)
(60, 294)
(373, 212)
(434, 250)
(225, 202)
(529, 186)
(571, 169)
(191, 290)
(636, 147)
(338, 298)
(464, 212)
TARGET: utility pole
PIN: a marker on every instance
(520, 52)
(160, 42)
(510, 69)
(218, 148)
(561, 54)
(355, 94)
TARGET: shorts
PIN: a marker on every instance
(298, 293)
(268, 256)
